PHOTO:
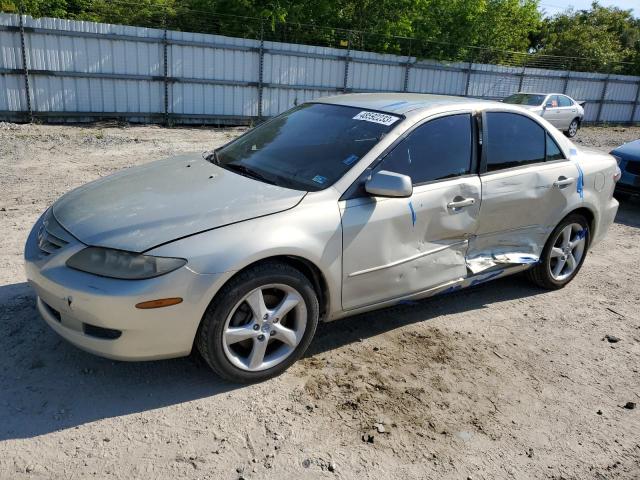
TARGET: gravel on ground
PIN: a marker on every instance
(501, 381)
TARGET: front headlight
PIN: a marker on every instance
(107, 262)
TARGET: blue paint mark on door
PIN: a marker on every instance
(580, 183)
(413, 214)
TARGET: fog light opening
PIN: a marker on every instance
(162, 302)
(101, 332)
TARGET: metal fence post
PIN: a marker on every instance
(165, 73)
(25, 68)
(466, 87)
(260, 69)
(565, 85)
(406, 71)
(604, 94)
(524, 66)
(346, 63)
(636, 103)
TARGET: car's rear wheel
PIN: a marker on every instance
(259, 323)
(564, 253)
(573, 128)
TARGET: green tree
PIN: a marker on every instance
(603, 39)
(505, 31)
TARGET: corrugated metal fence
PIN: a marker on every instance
(62, 70)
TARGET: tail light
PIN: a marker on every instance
(617, 174)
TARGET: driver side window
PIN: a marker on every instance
(436, 150)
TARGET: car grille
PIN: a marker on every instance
(51, 236)
(633, 168)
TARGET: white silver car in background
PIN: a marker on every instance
(336, 207)
(561, 111)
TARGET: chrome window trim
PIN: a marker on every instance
(522, 167)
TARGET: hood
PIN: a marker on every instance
(142, 207)
(629, 150)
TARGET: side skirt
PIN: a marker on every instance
(497, 271)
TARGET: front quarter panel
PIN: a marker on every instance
(311, 231)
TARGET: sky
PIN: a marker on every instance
(554, 6)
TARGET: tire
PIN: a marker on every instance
(543, 273)
(274, 343)
(573, 128)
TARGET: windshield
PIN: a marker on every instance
(307, 148)
(525, 99)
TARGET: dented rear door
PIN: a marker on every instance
(527, 184)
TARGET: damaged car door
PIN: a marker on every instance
(527, 184)
(393, 247)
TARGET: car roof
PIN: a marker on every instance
(543, 94)
(401, 103)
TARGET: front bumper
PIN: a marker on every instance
(98, 314)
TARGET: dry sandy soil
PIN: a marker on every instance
(502, 381)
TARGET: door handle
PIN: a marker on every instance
(563, 182)
(465, 202)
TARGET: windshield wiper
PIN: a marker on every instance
(212, 157)
(248, 172)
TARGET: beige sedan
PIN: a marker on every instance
(336, 207)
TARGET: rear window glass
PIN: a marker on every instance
(525, 99)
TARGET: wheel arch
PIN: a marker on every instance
(305, 266)
(589, 215)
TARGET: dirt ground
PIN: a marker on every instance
(501, 381)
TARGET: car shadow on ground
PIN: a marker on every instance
(47, 384)
(360, 327)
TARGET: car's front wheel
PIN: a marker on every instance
(563, 255)
(259, 323)
(573, 128)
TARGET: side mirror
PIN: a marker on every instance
(548, 105)
(389, 184)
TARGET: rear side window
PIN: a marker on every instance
(439, 149)
(553, 151)
(512, 140)
(564, 101)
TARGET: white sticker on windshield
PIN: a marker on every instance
(376, 117)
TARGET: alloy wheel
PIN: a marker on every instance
(567, 251)
(573, 128)
(264, 327)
